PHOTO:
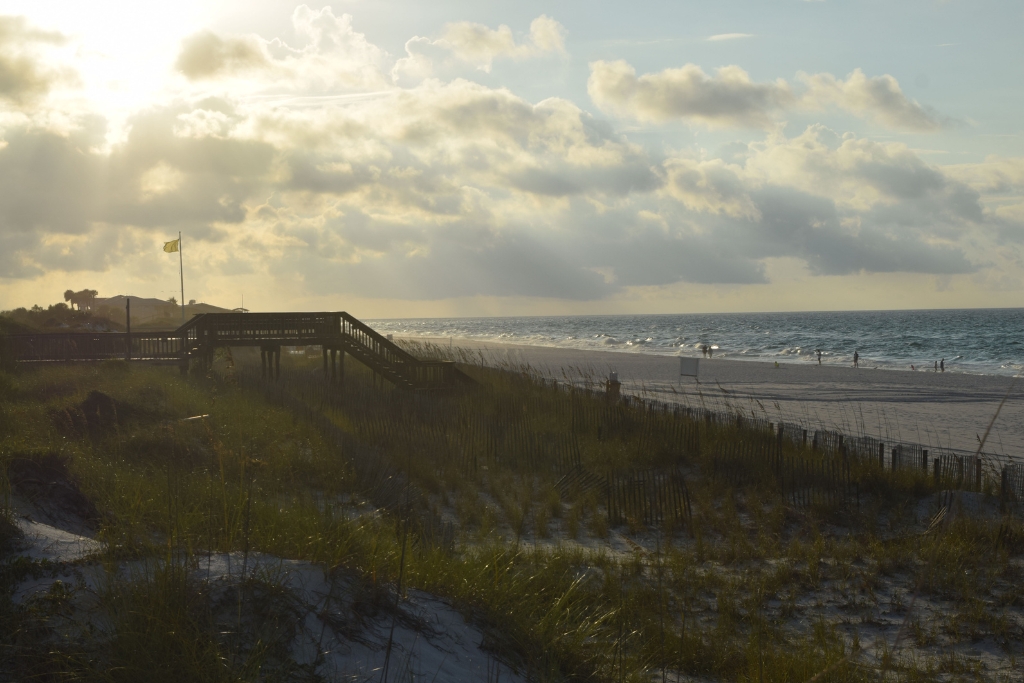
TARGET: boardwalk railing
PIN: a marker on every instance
(200, 336)
(96, 346)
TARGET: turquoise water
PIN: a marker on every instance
(982, 341)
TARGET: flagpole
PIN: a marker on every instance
(181, 272)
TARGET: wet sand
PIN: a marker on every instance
(936, 409)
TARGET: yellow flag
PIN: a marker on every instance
(171, 247)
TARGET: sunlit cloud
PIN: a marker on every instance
(729, 36)
(731, 98)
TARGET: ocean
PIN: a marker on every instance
(980, 341)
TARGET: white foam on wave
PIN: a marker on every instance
(970, 341)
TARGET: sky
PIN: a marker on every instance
(412, 159)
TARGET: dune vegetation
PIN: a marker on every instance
(584, 539)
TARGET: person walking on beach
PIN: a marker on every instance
(942, 365)
(856, 359)
(936, 366)
(711, 351)
(819, 356)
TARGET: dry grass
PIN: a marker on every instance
(750, 586)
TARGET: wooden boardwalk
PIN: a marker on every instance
(195, 342)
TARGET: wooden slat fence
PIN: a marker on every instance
(1013, 483)
(649, 497)
(908, 456)
(580, 481)
(818, 482)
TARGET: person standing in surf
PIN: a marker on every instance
(942, 365)
(856, 359)
(819, 356)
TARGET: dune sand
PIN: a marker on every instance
(950, 410)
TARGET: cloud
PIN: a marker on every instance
(207, 55)
(478, 45)
(842, 204)
(24, 75)
(1000, 181)
(729, 36)
(455, 189)
(335, 56)
(859, 174)
(879, 98)
(731, 99)
(711, 186)
(997, 175)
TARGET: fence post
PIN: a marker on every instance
(805, 439)
(1003, 489)
(937, 469)
(881, 455)
(977, 473)
(924, 461)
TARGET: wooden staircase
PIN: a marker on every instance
(199, 337)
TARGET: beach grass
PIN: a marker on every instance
(750, 581)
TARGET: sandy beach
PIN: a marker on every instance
(950, 410)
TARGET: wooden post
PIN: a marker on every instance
(881, 455)
(924, 461)
(805, 439)
(977, 473)
(128, 328)
(1003, 481)
(938, 470)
